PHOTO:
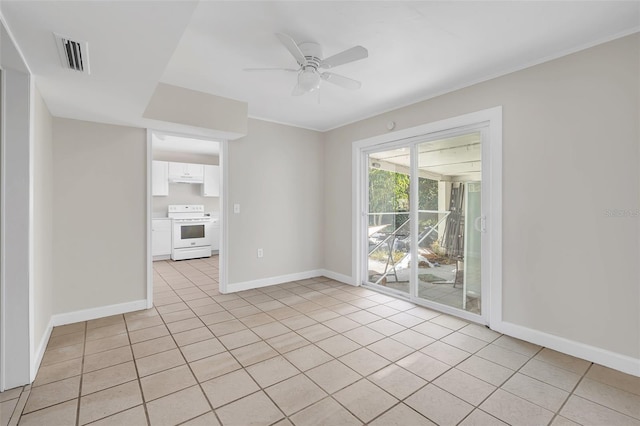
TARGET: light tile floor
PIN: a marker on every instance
(313, 352)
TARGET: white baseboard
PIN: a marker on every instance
(338, 277)
(99, 312)
(37, 359)
(265, 282)
(594, 354)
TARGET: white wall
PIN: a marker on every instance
(571, 152)
(184, 193)
(99, 219)
(42, 221)
(275, 174)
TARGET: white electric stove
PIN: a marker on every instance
(191, 231)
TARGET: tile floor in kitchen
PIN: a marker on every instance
(313, 352)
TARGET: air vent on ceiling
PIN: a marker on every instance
(73, 54)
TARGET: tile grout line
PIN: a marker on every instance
(138, 378)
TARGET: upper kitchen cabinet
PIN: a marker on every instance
(186, 172)
(211, 184)
(160, 178)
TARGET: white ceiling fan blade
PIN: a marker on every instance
(269, 69)
(340, 80)
(354, 54)
(292, 47)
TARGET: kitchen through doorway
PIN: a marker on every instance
(185, 203)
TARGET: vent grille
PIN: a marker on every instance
(74, 55)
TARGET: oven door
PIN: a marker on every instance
(191, 234)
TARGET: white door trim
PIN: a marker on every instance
(491, 157)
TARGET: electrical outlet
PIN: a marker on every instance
(236, 208)
(260, 253)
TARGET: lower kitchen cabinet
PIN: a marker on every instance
(160, 238)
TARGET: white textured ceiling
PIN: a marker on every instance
(416, 50)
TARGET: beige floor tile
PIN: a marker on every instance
(515, 410)
(178, 407)
(333, 376)
(203, 349)
(159, 362)
(480, 332)
(217, 317)
(253, 353)
(397, 381)
(239, 338)
(192, 336)
(177, 316)
(273, 329)
(423, 365)
(255, 409)
(184, 325)
(166, 382)
(106, 331)
(108, 343)
(432, 330)
(214, 366)
(341, 324)
(288, 342)
(390, 349)
(413, 339)
(502, 356)
(225, 389)
(517, 345)
(109, 401)
(295, 393)
(567, 362)
(151, 347)
(54, 372)
(323, 315)
(297, 322)
(207, 419)
(142, 323)
(365, 400)
(480, 418)
(316, 332)
(550, 374)
(307, 357)
(446, 353)
(535, 391)
(65, 353)
(364, 336)
(326, 412)
(450, 322)
(402, 415)
(272, 371)
(364, 361)
(257, 319)
(59, 415)
(227, 327)
(382, 310)
(68, 329)
(132, 417)
(464, 342)
(11, 394)
(66, 340)
(53, 393)
(207, 309)
(563, 421)
(438, 406)
(174, 307)
(485, 370)
(148, 333)
(363, 317)
(609, 396)
(405, 319)
(614, 378)
(386, 327)
(338, 345)
(424, 313)
(108, 377)
(6, 410)
(464, 386)
(105, 321)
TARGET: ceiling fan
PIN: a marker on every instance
(308, 55)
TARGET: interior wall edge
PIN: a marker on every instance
(266, 282)
(97, 312)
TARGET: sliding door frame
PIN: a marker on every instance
(489, 122)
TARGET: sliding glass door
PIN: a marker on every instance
(425, 219)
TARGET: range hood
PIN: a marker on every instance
(186, 179)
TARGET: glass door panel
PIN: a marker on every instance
(388, 225)
(449, 214)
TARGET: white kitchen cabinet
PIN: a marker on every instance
(161, 238)
(211, 183)
(160, 178)
(186, 172)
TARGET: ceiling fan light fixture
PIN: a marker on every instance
(308, 80)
